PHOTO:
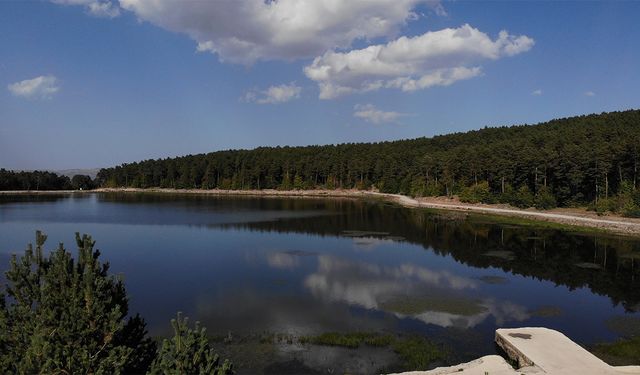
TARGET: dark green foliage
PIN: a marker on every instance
(522, 197)
(188, 352)
(479, 193)
(81, 182)
(347, 340)
(575, 159)
(544, 199)
(629, 200)
(379, 340)
(631, 211)
(604, 205)
(622, 352)
(36, 180)
(68, 316)
(416, 352)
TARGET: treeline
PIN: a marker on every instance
(42, 180)
(572, 161)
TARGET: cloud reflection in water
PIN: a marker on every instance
(372, 287)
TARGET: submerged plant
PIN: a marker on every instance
(416, 352)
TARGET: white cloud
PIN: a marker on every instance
(370, 113)
(104, 9)
(589, 93)
(437, 58)
(43, 87)
(98, 8)
(274, 94)
(537, 92)
(248, 31)
(438, 8)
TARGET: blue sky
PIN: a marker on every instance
(93, 83)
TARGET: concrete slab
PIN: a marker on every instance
(491, 364)
(554, 353)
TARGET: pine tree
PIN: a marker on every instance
(188, 352)
(65, 316)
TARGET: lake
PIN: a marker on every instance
(260, 273)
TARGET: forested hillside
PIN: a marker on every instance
(577, 160)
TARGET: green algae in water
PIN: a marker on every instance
(623, 352)
(415, 352)
(347, 340)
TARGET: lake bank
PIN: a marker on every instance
(563, 218)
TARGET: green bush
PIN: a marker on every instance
(604, 205)
(188, 352)
(298, 183)
(477, 193)
(544, 199)
(635, 197)
(508, 195)
(418, 187)
(631, 210)
(522, 197)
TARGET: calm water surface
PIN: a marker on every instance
(248, 266)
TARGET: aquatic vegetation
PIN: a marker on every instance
(625, 351)
(621, 352)
(379, 340)
(415, 352)
(347, 340)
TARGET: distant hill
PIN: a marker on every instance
(72, 172)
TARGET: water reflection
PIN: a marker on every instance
(247, 265)
(407, 291)
(606, 264)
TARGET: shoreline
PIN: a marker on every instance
(577, 218)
